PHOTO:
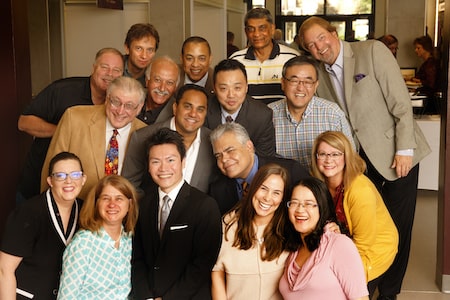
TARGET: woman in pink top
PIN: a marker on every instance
(322, 265)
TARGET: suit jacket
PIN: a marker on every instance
(81, 131)
(378, 105)
(209, 85)
(135, 167)
(178, 265)
(255, 116)
(224, 189)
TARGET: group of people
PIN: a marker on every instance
(273, 175)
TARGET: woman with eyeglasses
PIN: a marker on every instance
(323, 264)
(358, 205)
(252, 256)
(97, 263)
(38, 231)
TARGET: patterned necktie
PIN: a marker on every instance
(112, 155)
(229, 119)
(165, 210)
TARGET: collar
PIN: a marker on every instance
(225, 113)
(50, 202)
(274, 53)
(252, 173)
(201, 82)
(110, 128)
(173, 193)
(339, 60)
(174, 128)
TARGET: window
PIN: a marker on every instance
(354, 19)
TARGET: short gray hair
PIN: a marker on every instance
(129, 85)
(237, 129)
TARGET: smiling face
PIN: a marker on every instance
(112, 206)
(190, 112)
(162, 82)
(259, 33)
(332, 166)
(233, 159)
(67, 189)
(231, 89)
(296, 86)
(196, 60)
(322, 44)
(106, 68)
(267, 199)
(125, 109)
(165, 166)
(302, 218)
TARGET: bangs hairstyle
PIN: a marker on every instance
(139, 31)
(354, 164)
(89, 216)
(310, 22)
(326, 212)
(244, 213)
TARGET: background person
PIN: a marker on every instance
(38, 231)
(358, 205)
(251, 258)
(322, 265)
(97, 262)
(391, 42)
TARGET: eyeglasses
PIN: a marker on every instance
(61, 176)
(261, 28)
(117, 104)
(294, 205)
(294, 82)
(332, 155)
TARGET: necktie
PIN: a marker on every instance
(112, 155)
(165, 210)
(229, 119)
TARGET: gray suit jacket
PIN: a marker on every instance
(209, 86)
(135, 165)
(378, 104)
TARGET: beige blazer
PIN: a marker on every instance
(379, 106)
(81, 131)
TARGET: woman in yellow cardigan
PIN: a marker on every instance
(359, 207)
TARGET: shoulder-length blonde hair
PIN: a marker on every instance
(89, 216)
(354, 164)
(244, 213)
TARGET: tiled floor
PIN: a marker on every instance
(419, 281)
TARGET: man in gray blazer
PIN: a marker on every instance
(189, 115)
(365, 80)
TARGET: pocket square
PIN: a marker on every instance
(178, 227)
(358, 77)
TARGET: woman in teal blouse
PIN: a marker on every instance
(97, 263)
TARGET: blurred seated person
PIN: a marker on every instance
(38, 231)
(322, 264)
(358, 205)
(163, 77)
(251, 258)
(391, 42)
(231, 47)
(97, 262)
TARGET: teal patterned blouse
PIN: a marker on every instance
(94, 269)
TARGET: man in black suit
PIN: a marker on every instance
(238, 162)
(178, 232)
(231, 103)
(189, 116)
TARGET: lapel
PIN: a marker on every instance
(214, 116)
(326, 85)
(97, 129)
(179, 207)
(242, 117)
(349, 72)
(204, 155)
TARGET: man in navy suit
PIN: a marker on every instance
(173, 256)
(238, 162)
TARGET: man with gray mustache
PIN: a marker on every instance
(162, 79)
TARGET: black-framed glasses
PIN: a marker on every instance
(61, 176)
(116, 103)
(332, 155)
(294, 81)
(294, 204)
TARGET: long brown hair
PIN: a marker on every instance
(274, 241)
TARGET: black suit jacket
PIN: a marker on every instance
(224, 189)
(177, 266)
(135, 165)
(255, 116)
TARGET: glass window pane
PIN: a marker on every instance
(258, 3)
(347, 7)
(340, 28)
(301, 7)
(361, 29)
(290, 31)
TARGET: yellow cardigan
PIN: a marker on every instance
(371, 226)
